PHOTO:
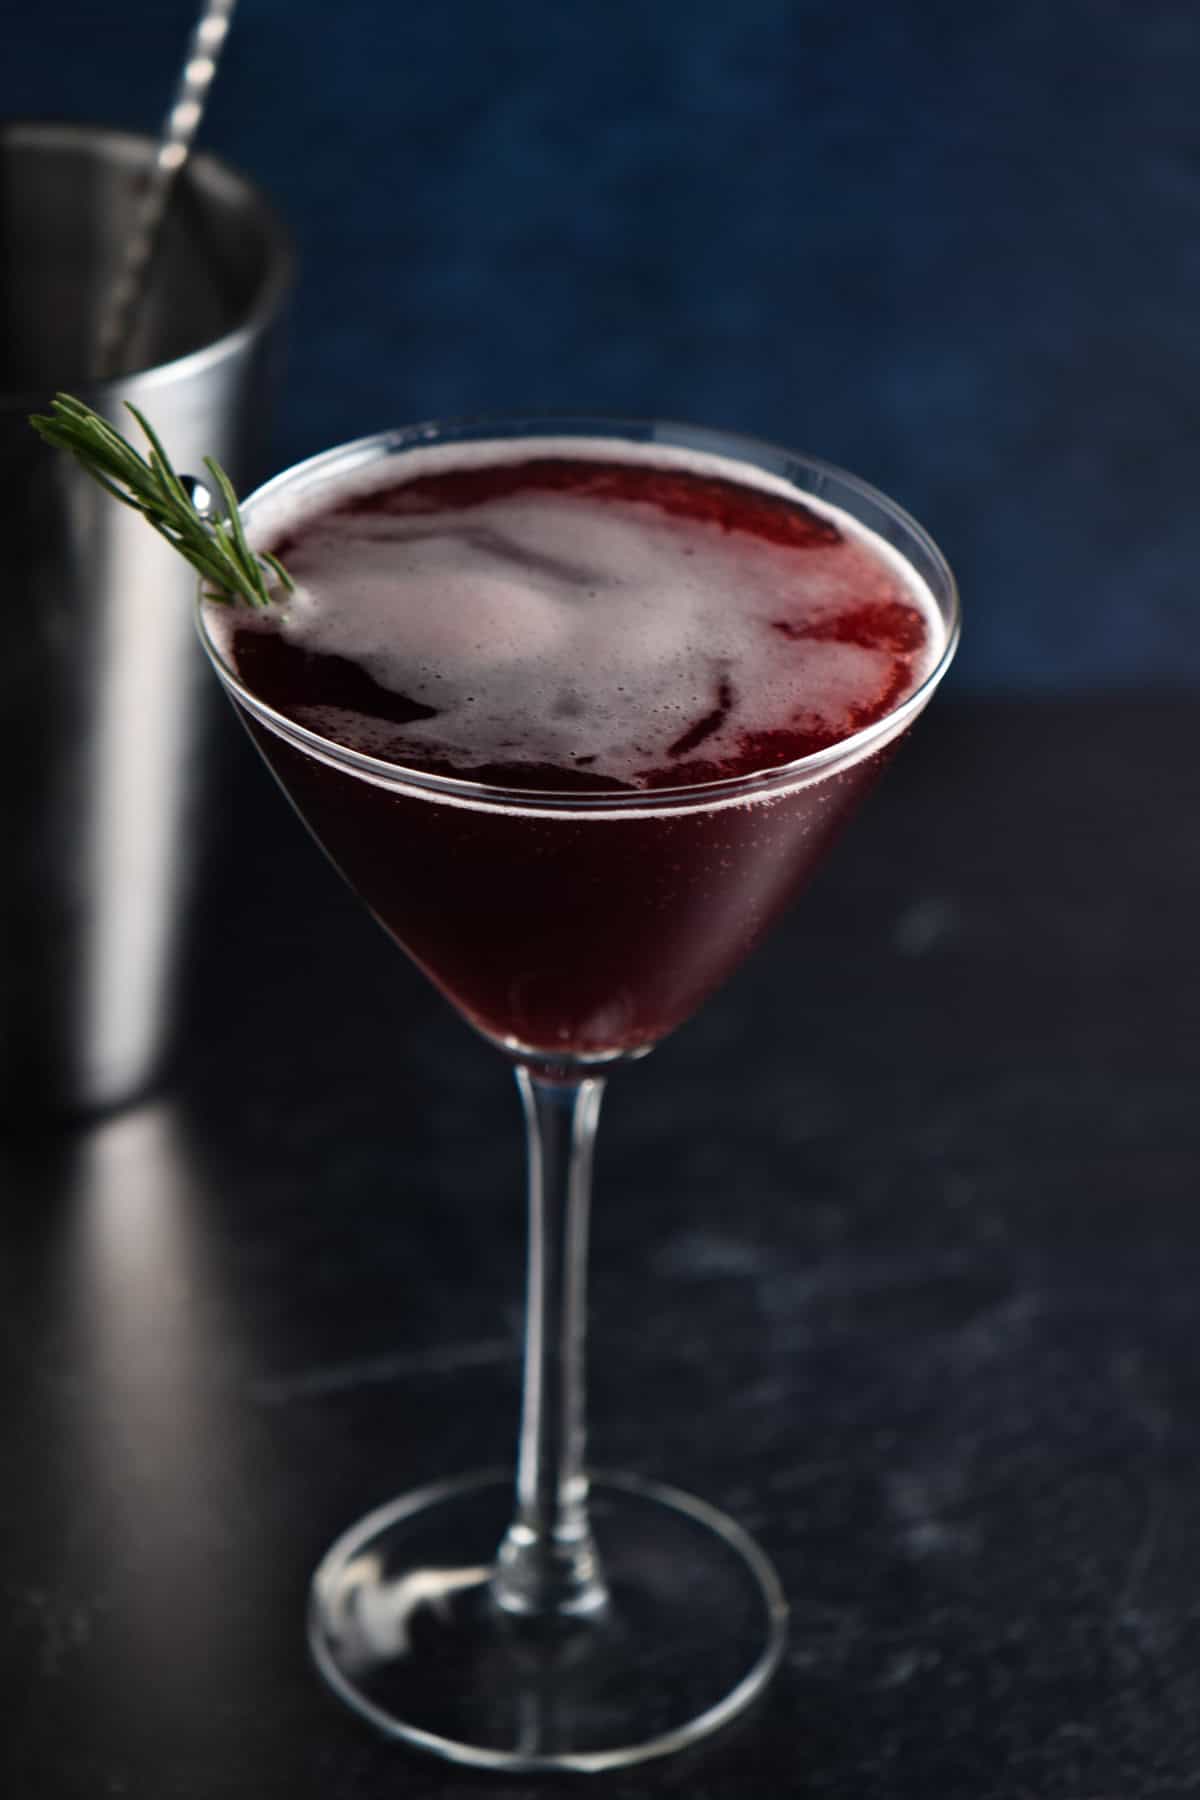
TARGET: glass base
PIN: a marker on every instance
(404, 1627)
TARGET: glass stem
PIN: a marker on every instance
(547, 1564)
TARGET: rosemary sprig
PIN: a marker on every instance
(217, 548)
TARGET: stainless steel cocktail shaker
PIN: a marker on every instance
(106, 707)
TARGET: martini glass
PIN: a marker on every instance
(571, 1622)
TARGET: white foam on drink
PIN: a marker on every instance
(549, 628)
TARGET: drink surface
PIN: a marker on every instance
(572, 618)
(561, 617)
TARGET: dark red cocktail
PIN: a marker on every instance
(608, 631)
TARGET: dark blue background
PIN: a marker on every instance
(952, 244)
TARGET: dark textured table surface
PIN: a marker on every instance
(896, 1257)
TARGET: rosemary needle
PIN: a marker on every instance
(216, 548)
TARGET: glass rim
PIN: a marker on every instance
(760, 453)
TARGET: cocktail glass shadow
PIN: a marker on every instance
(574, 1624)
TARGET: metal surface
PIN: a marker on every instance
(105, 708)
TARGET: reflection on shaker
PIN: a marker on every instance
(104, 704)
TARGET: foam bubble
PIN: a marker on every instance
(549, 627)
